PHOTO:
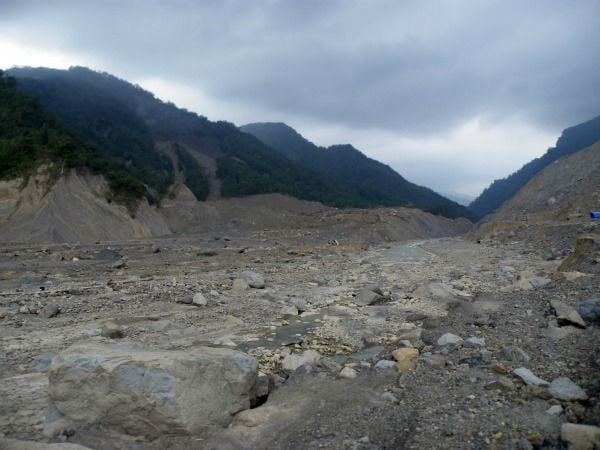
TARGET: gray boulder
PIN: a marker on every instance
(589, 310)
(564, 389)
(566, 315)
(367, 297)
(151, 393)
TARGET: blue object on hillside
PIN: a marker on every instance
(595, 215)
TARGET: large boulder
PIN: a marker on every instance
(150, 393)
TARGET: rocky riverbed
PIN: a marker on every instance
(284, 340)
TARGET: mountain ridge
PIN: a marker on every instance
(344, 163)
(571, 140)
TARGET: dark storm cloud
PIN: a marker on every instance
(415, 67)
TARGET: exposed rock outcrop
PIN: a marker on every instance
(149, 393)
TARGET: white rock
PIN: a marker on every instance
(294, 360)
(448, 339)
(554, 410)
(199, 299)
(564, 389)
(580, 437)
(348, 372)
(254, 280)
(529, 378)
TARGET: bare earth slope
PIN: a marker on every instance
(74, 209)
(71, 210)
(553, 207)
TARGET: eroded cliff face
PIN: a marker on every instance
(73, 209)
(553, 207)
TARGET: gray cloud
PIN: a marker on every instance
(414, 68)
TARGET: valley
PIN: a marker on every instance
(403, 344)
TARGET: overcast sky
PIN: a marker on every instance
(451, 94)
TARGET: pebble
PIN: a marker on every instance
(589, 310)
(385, 364)
(449, 339)
(564, 389)
(254, 280)
(516, 354)
(389, 397)
(348, 372)
(48, 311)
(199, 299)
(239, 284)
(554, 410)
(112, 331)
(475, 342)
(529, 378)
(294, 360)
(580, 437)
(566, 315)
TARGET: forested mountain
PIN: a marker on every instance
(378, 183)
(31, 136)
(571, 140)
(130, 125)
(158, 142)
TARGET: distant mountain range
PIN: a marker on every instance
(377, 183)
(571, 140)
(154, 144)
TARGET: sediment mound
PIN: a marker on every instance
(553, 208)
(72, 209)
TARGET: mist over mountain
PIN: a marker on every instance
(375, 181)
(571, 140)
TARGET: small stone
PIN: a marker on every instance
(42, 362)
(239, 284)
(367, 297)
(119, 264)
(449, 339)
(3, 313)
(566, 315)
(499, 368)
(554, 410)
(48, 311)
(580, 437)
(385, 364)
(564, 389)
(589, 310)
(435, 361)
(294, 360)
(475, 342)
(199, 299)
(112, 331)
(405, 366)
(529, 378)
(532, 391)
(254, 280)
(348, 372)
(24, 310)
(389, 397)
(405, 354)
(501, 384)
(539, 281)
(289, 310)
(516, 354)
(329, 365)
